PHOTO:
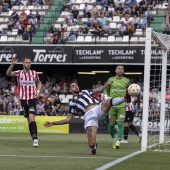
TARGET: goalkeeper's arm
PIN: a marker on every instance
(61, 122)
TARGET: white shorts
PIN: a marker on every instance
(92, 117)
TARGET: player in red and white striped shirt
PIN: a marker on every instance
(29, 87)
(128, 122)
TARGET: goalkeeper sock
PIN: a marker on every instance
(132, 127)
(34, 130)
(126, 131)
(30, 130)
(116, 101)
(120, 130)
(112, 130)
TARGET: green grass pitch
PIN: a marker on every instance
(71, 152)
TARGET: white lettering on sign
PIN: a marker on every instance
(41, 56)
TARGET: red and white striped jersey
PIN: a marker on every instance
(130, 106)
(27, 84)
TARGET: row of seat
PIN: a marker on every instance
(8, 39)
(30, 7)
(109, 39)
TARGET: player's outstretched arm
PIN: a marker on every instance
(61, 122)
(100, 89)
(9, 71)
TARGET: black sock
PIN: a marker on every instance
(30, 129)
(34, 130)
(132, 127)
(126, 131)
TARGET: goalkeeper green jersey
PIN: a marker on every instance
(118, 88)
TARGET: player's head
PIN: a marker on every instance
(73, 87)
(119, 70)
(26, 63)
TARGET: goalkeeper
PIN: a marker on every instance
(116, 90)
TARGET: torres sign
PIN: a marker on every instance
(38, 54)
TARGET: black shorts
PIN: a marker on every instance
(29, 107)
(129, 116)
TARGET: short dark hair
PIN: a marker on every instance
(119, 65)
(26, 58)
(72, 81)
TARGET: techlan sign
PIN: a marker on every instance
(153, 125)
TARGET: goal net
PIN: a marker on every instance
(156, 111)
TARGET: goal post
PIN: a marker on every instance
(146, 89)
(156, 137)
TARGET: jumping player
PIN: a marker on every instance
(84, 104)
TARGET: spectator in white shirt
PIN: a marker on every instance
(149, 15)
(87, 11)
(34, 22)
(111, 11)
(122, 29)
(75, 28)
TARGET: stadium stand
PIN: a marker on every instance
(56, 13)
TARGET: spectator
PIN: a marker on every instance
(102, 11)
(48, 108)
(64, 88)
(149, 15)
(103, 19)
(133, 2)
(6, 5)
(97, 29)
(119, 9)
(14, 15)
(49, 37)
(65, 111)
(126, 10)
(17, 2)
(71, 20)
(123, 29)
(94, 20)
(75, 13)
(130, 28)
(85, 29)
(52, 29)
(80, 22)
(29, 16)
(67, 5)
(94, 10)
(21, 28)
(64, 36)
(4, 82)
(75, 28)
(118, 2)
(142, 22)
(57, 88)
(107, 28)
(87, 11)
(23, 15)
(25, 35)
(38, 16)
(34, 23)
(108, 3)
(56, 37)
(88, 23)
(11, 23)
(111, 11)
(57, 105)
(134, 12)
